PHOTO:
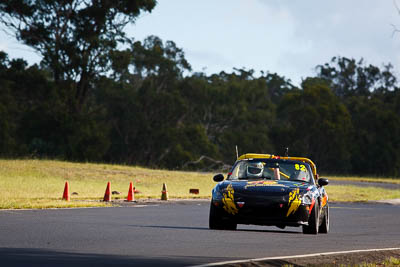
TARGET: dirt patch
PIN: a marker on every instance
(351, 259)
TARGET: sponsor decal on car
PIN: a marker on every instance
(294, 201)
(299, 184)
(228, 200)
(262, 183)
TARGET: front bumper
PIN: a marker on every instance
(273, 212)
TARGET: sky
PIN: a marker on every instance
(287, 37)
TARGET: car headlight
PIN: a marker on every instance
(306, 199)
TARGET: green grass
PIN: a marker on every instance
(40, 184)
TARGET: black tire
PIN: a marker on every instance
(215, 221)
(313, 221)
(324, 227)
(230, 226)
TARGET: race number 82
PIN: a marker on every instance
(300, 167)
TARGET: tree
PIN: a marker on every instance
(312, 122)
(375, 146)
(234, 108)
(278, 86)
(8, 109)
(347, 77)
(147, 109)
(34, 120)
(75, 37)
(371, 95)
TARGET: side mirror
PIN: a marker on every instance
(218, 178)
(323, 181)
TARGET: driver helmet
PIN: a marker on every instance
(254, 169)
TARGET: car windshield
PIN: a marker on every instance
(274, 170)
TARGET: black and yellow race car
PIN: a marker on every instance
(264, 189)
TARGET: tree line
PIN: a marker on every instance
(141, 104)
(147, 112)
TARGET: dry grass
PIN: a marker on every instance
(351, 193)
(40, 184)
(366, 179)
(388, 262)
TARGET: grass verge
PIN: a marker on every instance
(389, 262)
(370, 259)
(352, 193)
(366, 179)
(40, 183)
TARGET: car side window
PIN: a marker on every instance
(268, 173)
(300, 173)
(239, 171)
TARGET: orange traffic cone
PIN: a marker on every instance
(164, 192)
(66, 192)
(107, 194)
(131, 193)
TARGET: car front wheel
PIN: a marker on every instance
(218, 223)
(313, 221)
(324, 228)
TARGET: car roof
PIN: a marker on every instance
(270, 156)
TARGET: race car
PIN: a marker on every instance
(264, 189)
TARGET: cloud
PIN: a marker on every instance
(324, 29)
(287, 37)
(3, 43)
(208, 61)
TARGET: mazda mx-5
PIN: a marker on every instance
(263, 189)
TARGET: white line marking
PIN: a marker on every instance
(143, 206)
(293, 257)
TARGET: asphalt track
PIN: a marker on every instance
(177, 234)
